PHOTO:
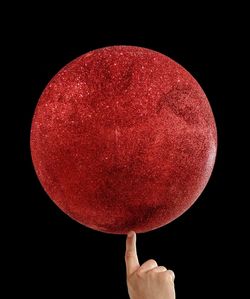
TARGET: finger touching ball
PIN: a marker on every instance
(123, 138)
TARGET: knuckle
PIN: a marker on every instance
(155, 270)
(139, 273)
(152, 262)
(171, 274)
(152, 273)
(167, 276)
(129, 253)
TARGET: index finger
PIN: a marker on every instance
(131, 258)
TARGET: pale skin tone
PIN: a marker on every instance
(146, 281)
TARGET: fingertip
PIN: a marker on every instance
(131, 234)
(172, 275)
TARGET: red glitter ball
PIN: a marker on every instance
(123, 138)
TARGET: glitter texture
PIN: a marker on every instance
(123, 138)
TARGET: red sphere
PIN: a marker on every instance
(123, 138)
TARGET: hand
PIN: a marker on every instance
(148, 281)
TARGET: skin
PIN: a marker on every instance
(146, 281)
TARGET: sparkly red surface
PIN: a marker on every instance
(123, 138)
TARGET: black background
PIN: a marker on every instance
(56, 255)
